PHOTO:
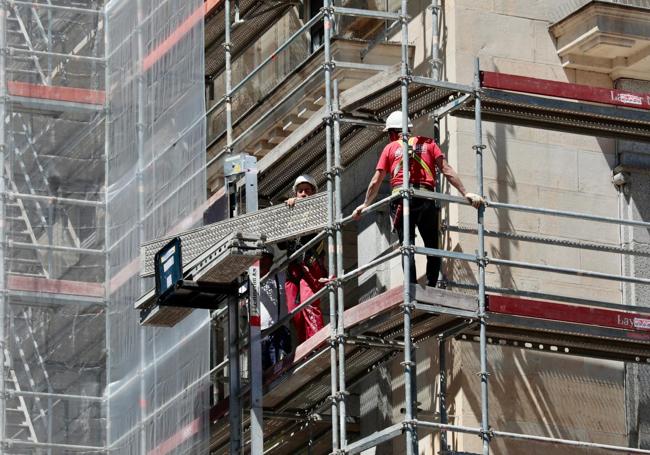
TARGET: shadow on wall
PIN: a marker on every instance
(532, 393)
(504, 187)
(421, 12)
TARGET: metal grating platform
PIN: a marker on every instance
(300, 384)
(274, 223)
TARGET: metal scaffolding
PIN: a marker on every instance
(101, 138)
(466, 100)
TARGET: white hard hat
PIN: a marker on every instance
(305, 178)
(394, 121)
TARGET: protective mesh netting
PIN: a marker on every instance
(157, 388)
(104, 143)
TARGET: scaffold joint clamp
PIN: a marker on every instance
(408, 79)
(486, 434)
(340, 396)
(410, 424)
(404, 18)
(408, 306)
(407, 249)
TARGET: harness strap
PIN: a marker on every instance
(416, 158)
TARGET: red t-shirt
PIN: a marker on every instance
(425, 148)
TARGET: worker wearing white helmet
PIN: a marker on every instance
(304, 186)
(424, 157)
(305, 276)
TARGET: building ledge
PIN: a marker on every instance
(606, 38)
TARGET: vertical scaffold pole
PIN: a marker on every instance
(407, 251)
(340, 298)
(435, 40)
(442, 392)
(227, 46)
(141, 204)
(234, 386)
(255, 346)
(331, 246)
(234, 395)
(228, 76)
(3, 150)
(479, 147)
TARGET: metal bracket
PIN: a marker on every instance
(334, 284)
(482, 261)
(484, 375)
(407, 249)
(410, 424)
(331, 65)
(486, 434)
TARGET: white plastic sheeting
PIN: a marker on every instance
(157, 383)
(101, 148)
(52, 229)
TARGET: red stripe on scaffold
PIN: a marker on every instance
(567, 90)
(177, 439)
(179, 33)
(33, 284)
(564, 312)
(56, 93)
(255, 321)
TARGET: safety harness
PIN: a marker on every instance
(414, 151)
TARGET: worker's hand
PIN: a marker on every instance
(291, 201)
(356, 214)
(326, 281)
(474, 199)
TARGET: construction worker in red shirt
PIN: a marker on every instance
(305, 276)
(424, 157)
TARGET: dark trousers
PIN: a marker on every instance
(275, 347)
(424, 215)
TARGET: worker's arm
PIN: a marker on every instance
(371, 193)
(450, 173)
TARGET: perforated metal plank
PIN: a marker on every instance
(275, 223)
(562, 115)
(562, 338)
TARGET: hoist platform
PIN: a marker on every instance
(206, 281)
(275, 224)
